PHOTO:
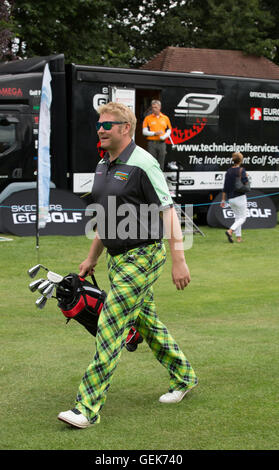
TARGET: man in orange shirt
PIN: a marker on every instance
(157, 128)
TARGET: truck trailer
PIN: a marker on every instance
(211, 117)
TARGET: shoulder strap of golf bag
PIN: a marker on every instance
(94, 281)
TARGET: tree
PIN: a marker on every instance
(268, 7)
(6, 33)
(104, 32)
(239, 25)
(216, 24)
(153, 25)
(129, 32)
(80, 29)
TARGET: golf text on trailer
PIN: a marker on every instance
(26, 214)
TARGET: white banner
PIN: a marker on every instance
(215, 180)
(44, 150)
(83, 182)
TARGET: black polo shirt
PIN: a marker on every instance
(128, 195)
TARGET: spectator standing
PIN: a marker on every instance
(157, 128)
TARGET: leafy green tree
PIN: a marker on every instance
(129, 32)
(153, 25)
(79, 28)
(272, 7)
(239, 25)
(216, 24)
(6, 33)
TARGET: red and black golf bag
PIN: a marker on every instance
(83, 301)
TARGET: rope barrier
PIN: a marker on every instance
(218, 202)
(186, 205)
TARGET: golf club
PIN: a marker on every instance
(52, 277)
(41, 301)
(43, 286)
(48, 291)
(32, 272)
(33, 286)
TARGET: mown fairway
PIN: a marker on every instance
(226, 321)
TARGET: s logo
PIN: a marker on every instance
(198, 104)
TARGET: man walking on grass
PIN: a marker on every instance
(128, 177)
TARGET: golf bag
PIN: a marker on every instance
(83, 301)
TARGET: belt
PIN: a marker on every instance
(124, 249)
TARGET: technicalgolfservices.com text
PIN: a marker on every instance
(141, 459)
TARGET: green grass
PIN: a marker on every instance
(226, 322)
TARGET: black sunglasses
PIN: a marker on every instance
(107, 125)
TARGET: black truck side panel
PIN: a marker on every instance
(211, 116)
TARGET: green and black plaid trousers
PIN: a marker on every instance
(130, 303)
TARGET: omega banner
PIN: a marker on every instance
(66, 214)
(261, 212)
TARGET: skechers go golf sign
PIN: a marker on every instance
(66, 214)
(27, 215)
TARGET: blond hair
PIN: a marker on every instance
(121, 113)
(237, 157)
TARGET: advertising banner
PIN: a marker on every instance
(66, 214)
(211, 122)
(215, 180)
(208, 127)
(261, 212)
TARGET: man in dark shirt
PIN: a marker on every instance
(129, 179)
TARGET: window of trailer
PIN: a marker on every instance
(7, 135)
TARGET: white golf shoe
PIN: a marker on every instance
(75, 418)
(174, 396)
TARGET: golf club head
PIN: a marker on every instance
(43, 286)
(33, 286)
(32, 272)
(54, 277)
(41, 301)
(48, 291)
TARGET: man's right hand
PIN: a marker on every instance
(86, 268)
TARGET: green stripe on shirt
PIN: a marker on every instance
(142, 159)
